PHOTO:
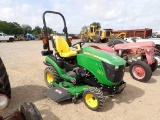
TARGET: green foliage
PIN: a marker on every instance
(10, 27)
(96, 24)
(17, 29)
(83, 28)
(49, 30)
(37, 30)
(26, 29)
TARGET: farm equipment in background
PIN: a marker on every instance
(102, 36)
(143, 33)
(88, 72)
(139, 56)
(22, 37)
(94, 34)
(88, 33)
(30, 36)
(155, 40)
(120, 35)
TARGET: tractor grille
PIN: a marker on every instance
(114, 74)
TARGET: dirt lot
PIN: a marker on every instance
(24, 64)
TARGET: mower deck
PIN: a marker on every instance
(57, 94)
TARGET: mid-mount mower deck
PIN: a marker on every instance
(86, 72)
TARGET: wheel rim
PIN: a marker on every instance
(138, 71)
(91, 100)
(50, 77)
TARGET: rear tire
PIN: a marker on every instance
(157, 57)
(51, 75)
(154, 66)
(4, 81)
(30, 111)
(140, 71)
(93, 98)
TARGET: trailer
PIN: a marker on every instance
(143, 33)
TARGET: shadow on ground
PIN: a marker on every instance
(47, 114)
(156, 73)
(129, 94)
(23, 94)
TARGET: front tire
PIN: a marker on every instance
(154, 66)
(93, 98)
(157, 57)
(51, 75)
(96, 39)
(140, 71)
(85, 38)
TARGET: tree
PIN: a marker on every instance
(10, 27)
(83, 28)
(4, 27)
(96, 24)
(49, 30)
(16, 28)
(26, 29)
(37, 30)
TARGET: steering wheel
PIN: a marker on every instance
(80, 44)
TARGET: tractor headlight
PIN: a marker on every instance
(112, 67)
(3, 101)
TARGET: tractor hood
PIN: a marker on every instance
(103, 56)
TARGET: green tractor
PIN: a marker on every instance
(88, 72)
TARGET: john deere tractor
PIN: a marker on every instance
(87, 72)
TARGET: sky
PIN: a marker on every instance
(115, 14)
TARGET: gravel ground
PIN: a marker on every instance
(24, 64)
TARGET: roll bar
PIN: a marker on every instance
(46, 44)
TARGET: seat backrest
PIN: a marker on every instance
(61, 45)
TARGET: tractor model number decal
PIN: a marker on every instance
(90, 54)
(99, 71)
(95, 56)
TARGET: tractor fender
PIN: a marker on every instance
(53, 63)
(61, 71)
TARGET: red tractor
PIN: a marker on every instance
(139, 56)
